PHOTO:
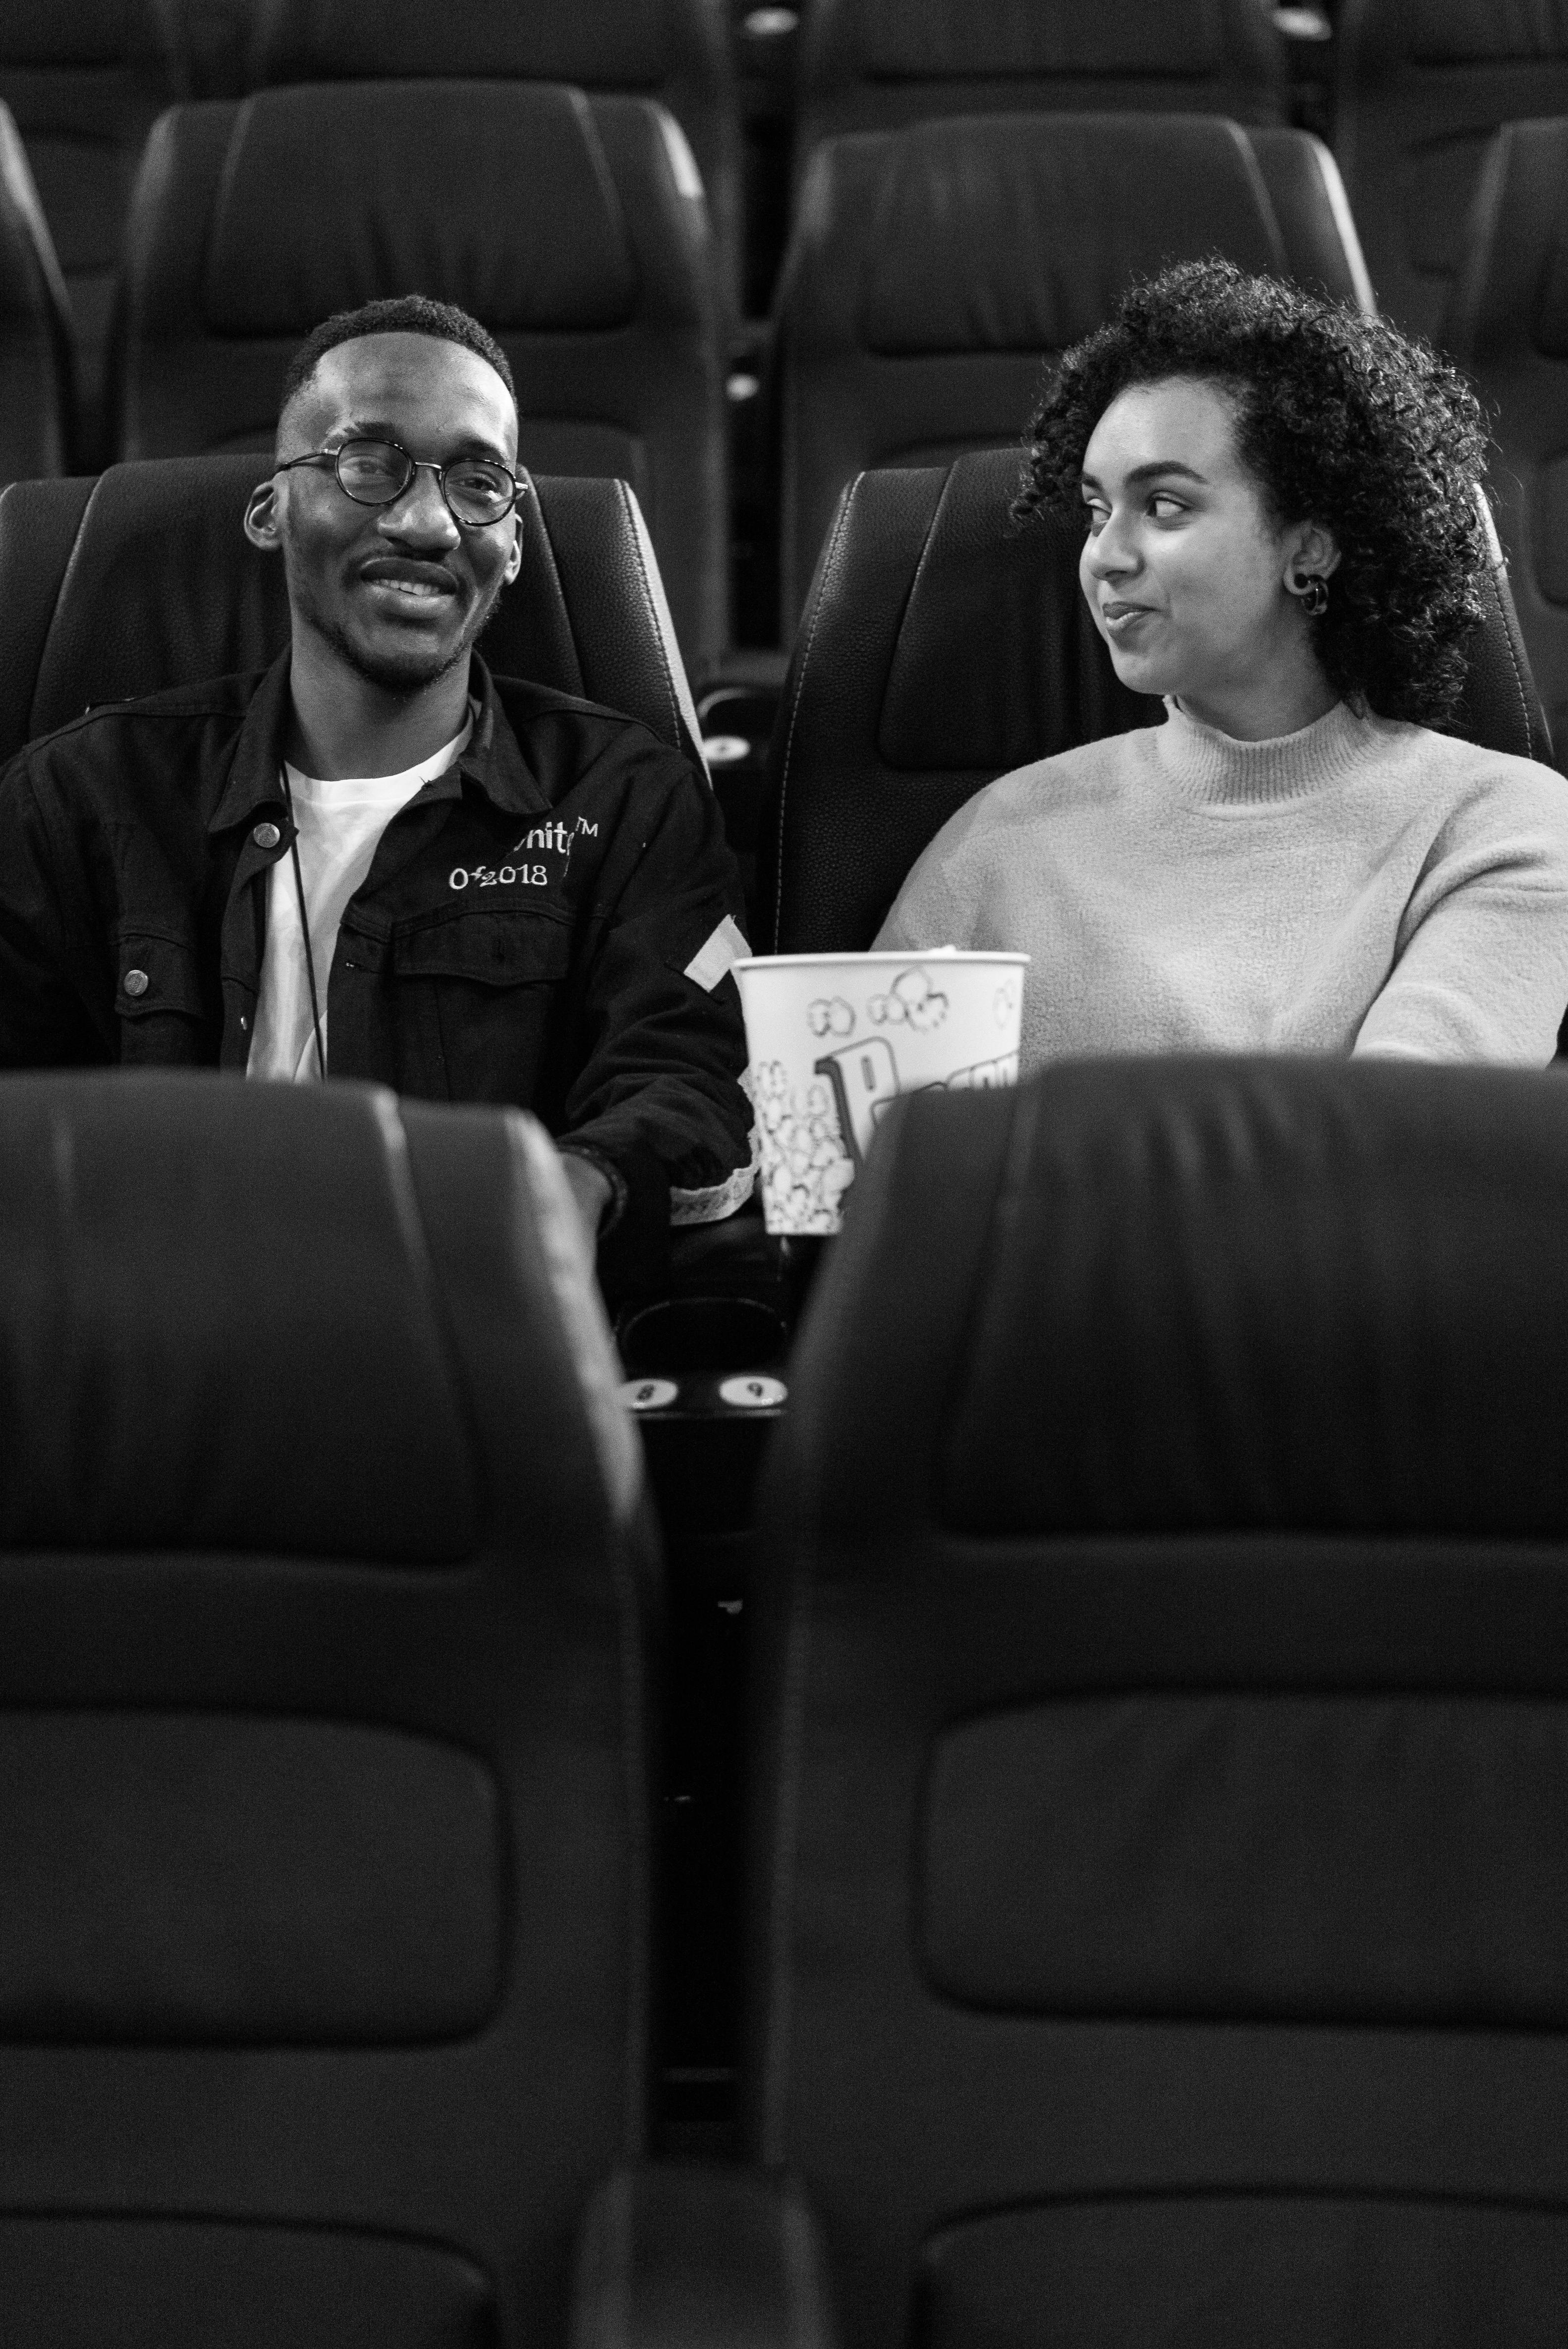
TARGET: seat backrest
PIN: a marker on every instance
(1164, 1712)
(940, 647)
(323, 1805)
(574, 229)
(1420, 87)
(37, 377)
(935, 269)
(676, 53)
(873, 63)
(1506, 325)
(144, 579)
(85, 83)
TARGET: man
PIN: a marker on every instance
(374, 860)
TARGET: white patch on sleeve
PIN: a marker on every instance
(715, 957)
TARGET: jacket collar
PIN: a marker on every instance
(493, 760)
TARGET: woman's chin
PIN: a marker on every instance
(1141, 672)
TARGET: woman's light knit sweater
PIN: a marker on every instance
(1362, 885)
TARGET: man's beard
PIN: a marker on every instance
(407, 674)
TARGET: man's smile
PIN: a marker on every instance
(406, 581)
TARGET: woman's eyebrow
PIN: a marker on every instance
(1152, 471)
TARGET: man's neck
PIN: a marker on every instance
(341, 724)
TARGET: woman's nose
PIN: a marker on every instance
(1109, 553)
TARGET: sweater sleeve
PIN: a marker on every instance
(1482, 967)
(940, 904)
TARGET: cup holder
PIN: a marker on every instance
(702, 1333)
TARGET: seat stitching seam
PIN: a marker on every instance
(838, 530)
(652, 612)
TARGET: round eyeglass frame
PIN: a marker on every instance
(333, 457)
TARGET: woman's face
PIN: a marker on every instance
(1185, 569)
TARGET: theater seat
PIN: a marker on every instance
(933, 270)
(942, 648)
(324, 1799)
(143, 579)
(1160, 1933)
(676, 53)
(874, 64)
(1419, 88)
(575, 230)
(1506, 325)
(85, 81)
(37, 377)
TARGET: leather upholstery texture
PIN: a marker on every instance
(1162, 1714)
(85, 82)
(1507, 324)
(143, 579)
(38, 405)
(942, 646)
(934, 270)
(1420, 87)
(326, 1581)
(874, 64)
(575, 228)
(676, 53)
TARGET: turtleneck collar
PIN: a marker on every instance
(1220, 770)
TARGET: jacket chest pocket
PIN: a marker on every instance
(486, 949)
(157, 1001)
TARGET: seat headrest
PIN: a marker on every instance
(1201, 1295)
(163, 588)
(219, 1327)
(88, 33)
(969, 685)
(1019, 232)
(498, 194)
(1458, 33)
(601, 44)
(930, 40)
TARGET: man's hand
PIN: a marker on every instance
(590, 1191)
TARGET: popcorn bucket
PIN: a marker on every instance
(832, 1038)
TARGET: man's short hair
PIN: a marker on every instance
(397, 314)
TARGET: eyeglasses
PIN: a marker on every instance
(478, 490)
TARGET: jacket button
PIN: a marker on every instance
(136, 983)
(266, 836)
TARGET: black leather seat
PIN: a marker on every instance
(675, 53)
(85, 82)
(324, 1793)
(36, 375)
(574, 229)
(1506, 325)
(1419, 88)
(933, 269)
(874, 64)
(1162, 1778)
(940, 647)
(143, 579)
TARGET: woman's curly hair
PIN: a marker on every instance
(1345, 422)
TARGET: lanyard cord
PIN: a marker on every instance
(304, 925)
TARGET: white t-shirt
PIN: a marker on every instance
(340, 822)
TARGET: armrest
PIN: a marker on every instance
(690, 2255)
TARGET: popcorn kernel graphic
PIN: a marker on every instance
(911, 999)
(830, 1017)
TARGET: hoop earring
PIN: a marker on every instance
(1313, 592)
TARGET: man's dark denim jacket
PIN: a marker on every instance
(523, 935)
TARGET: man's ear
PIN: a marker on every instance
(514, 552)
(262, 517)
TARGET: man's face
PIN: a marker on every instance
(400, 591)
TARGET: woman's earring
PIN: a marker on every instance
(1312, 590)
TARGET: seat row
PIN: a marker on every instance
(1158, 1757)
(932, 272)
(939, 650)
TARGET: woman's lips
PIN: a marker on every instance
(1120, 619)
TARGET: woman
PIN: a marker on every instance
(1281, 538)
